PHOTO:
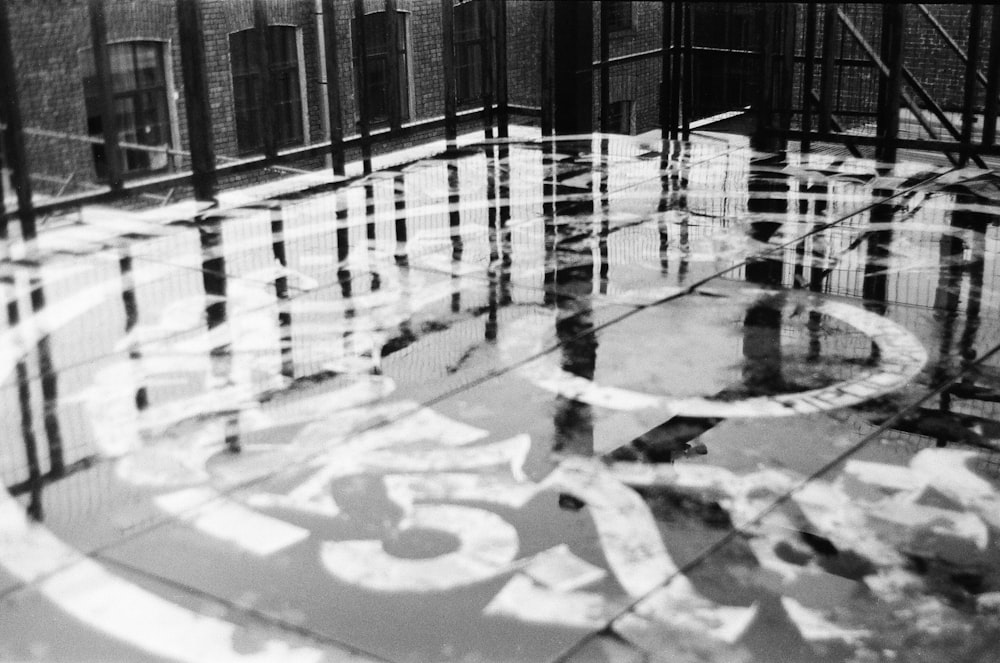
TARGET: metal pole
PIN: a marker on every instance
(102, 66)
(687, 97)
(334, 108)
(807, 77)
(992, 82)
(448, 62)
(484, 18)
(830, 29)
(503, 109)
(971, 69)
(263, 43)
(789, 23)
(361, 76)
(765, 103)
(666, 99)
(676, 77)
(546, 66)
(892, 47)
(573, 52)
(605, 69)
(392, 36)
(16, 153)
(196, 97)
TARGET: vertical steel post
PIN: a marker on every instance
(264, 57)
(16, 155)
(789, 23)
(971, 71)
(827, 77)
(503, 104)
(196, 97)
(392, 36)
(360, 78)
(546, 72)
(334, 107)
(102, 66)
(487, 40)
(765, 102)
(676, 73)
(992, 82)
(448, 62)
(605, 42)
(574, 33)
(687, 96)
(891, 87)
(666, 99)
(807, 76)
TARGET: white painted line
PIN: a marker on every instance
(487, 547)
(100, 600)
(217, 516)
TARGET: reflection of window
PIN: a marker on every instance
(620, 120)
(619, 14)
(139, 89)
(468, 53)
(378, 94)
(284, 96)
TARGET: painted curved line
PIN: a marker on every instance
(902, 358)
(85, 590)
(488, 545)
(628, 533)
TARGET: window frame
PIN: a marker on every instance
(147, 99)
(472, 45)
(403, 53)
(291, 126)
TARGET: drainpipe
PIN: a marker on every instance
(324, 111)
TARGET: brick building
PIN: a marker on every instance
(59, 94)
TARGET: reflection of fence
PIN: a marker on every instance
(495, 215)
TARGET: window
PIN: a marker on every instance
(285, 95)
(468, 53)
(139, 89)
(619, 15)
(376, 82)
(620, 117)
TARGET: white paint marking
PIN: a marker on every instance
(217, 516)
(487, 547)
(628, 533)
(523, 600)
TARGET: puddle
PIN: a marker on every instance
(518, 393)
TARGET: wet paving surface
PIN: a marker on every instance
(594, 399)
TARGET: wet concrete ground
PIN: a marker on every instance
(597, 399)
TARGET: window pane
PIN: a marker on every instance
(122, 67)
(376, 34)
(283, 50)
(149, 69)
(467, 22)
(241, 52)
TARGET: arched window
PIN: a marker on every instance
(284, 95)
(139, 89)
(378, 51)
(468, 52)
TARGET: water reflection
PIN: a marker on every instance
(768, 202)
(281, 292)
(215, 281)
(572, 279)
